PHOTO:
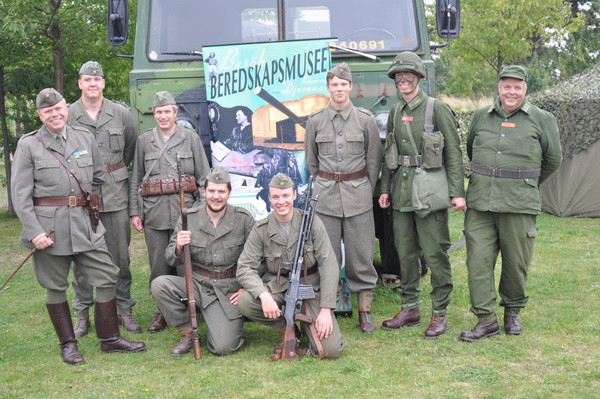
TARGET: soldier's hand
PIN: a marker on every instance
(458, 203)
(269, 306)
(183, 239)
(136, 221)
(234, 298)
(324, 323)
(42, 241)
(384, 200)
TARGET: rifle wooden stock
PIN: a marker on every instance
(24, 261)
(288, 349)
(187, 269)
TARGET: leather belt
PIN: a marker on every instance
(343, 176)
(506, 173)
(112, 168)
(60, 201)
(407, 160)
(215, 274)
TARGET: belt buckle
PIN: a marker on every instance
(337, 176)
(72, 200)
(406, 160)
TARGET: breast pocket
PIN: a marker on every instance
(232, 250)
(324, 144)
(149, 161)
(187, 162)
(86, 167)
(356, 144)
(116, 139)
(272, 258)
(47, 172)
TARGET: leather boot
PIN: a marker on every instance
(185, 344)
(158, 323)
(405, 318)
(437, 327)
(107, 329)
(364, 311)
(512, 324)
(126, 320)
(82, 323)
(481, 330)
(61, 319)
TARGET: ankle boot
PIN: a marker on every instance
(404, 318)
(82, 323)
(107, 329)
(61, 319)
(158, 323)
(364, 311)
(127, 321)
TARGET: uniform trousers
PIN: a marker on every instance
(224, 335)
(157, 242)
(358, 233)
(252, 309)
(117, 237)
(511, 234)
(95, 265)
(428, 236)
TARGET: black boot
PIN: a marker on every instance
(61, 319)
(107, 329)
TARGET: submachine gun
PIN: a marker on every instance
(297, 292)
(187, 266)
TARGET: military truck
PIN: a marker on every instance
(170, 36)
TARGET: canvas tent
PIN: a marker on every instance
(574, 189)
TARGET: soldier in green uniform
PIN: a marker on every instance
(216, 236)
(47, 196)
(513, 147)
(343, 153)
(155, 176)
(415, 234)
(262, 271)
(116, 134)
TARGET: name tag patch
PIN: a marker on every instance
(407, 119)
(508, 124)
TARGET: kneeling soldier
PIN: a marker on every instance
(272, 243)
(217, 233)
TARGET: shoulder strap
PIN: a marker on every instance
(162, 147)
(63, 162)
(429, 114)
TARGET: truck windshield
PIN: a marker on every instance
(179, 28)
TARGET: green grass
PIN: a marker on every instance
(556, 357)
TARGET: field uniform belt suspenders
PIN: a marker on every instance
(406, 160)
(162, 146)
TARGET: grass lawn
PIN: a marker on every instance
(556, 357)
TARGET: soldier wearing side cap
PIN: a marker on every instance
(262, 271)
(116, 134)
(513, 147)
(343, 153)
(418, 234)
(154, 205)
(217, 233)
(47, 195)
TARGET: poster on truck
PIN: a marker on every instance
(259, 98)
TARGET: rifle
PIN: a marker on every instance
(48, 234)
(187, 267)
(297, 292)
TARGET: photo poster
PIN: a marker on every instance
(260, 96)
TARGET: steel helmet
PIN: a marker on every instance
(407, 61)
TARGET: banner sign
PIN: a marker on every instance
(259, 98)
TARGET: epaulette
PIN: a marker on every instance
(242, 210)
(262, 222)
(28, 134)
(123, 103)
(317, 112)
(364, 111)
(80, 129)
(193, 209)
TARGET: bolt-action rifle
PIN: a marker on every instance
(187, 267)
(297, 292)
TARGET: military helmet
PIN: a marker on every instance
(407, 61)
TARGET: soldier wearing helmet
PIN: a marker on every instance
(416, 233)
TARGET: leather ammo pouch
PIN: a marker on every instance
(168, 186)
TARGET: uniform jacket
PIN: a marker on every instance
(38, 174)
(214, 249)
(116, 135)
(266, 249)
(353, 146)
(162, 211)
(527, 139)
(445, 122)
